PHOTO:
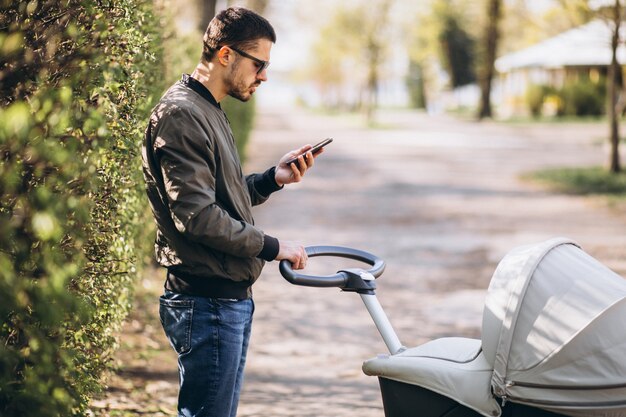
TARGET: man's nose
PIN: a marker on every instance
(262, 75)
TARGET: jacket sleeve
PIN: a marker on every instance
(188, 165)
(260, 186)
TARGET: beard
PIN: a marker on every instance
(238, 88)
(242, 92)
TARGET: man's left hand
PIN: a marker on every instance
(287, 174)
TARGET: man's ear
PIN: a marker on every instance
(224, 55)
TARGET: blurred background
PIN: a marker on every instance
(357, 55)
(502, 59)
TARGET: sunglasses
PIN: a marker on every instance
(261, 65)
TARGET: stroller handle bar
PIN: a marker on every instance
(352, 280)
(341, 278)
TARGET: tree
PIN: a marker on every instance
(444, 37)
(351, 50)
(374, 50)
(206, 11)
(612, 14)
(494, 13)
(614, 88)
(415, 85)
(458, 51)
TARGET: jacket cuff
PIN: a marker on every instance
(265, 183)
(270, 248)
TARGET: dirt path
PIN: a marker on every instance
(438, 199)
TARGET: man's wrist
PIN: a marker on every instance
(266, 183)
(278, 183)
(270, 249)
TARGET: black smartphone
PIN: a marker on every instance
(315, 149)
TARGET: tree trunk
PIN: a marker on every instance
(372, 80)
(614, 88)
(374, 51)
(206, 11)
(491, 46)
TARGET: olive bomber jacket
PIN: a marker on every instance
(200, 199)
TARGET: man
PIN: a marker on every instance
(202, 203)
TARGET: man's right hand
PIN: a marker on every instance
(293, 252)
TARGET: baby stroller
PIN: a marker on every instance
(553, 340)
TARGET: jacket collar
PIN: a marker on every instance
(197, 86)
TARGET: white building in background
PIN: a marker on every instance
(582, 51)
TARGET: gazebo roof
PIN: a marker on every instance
(587, 45)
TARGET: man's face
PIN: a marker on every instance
(244, 76)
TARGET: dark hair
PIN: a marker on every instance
(237, 27)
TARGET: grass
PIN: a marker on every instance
(583, 181)
(554, 119)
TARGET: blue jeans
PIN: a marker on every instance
(211, 338)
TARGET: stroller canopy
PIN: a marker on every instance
(554, 330)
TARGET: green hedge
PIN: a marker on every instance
(241, 116)
(535, 96)
(581, 97)
(78, 78)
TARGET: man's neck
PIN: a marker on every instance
(210, 79)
